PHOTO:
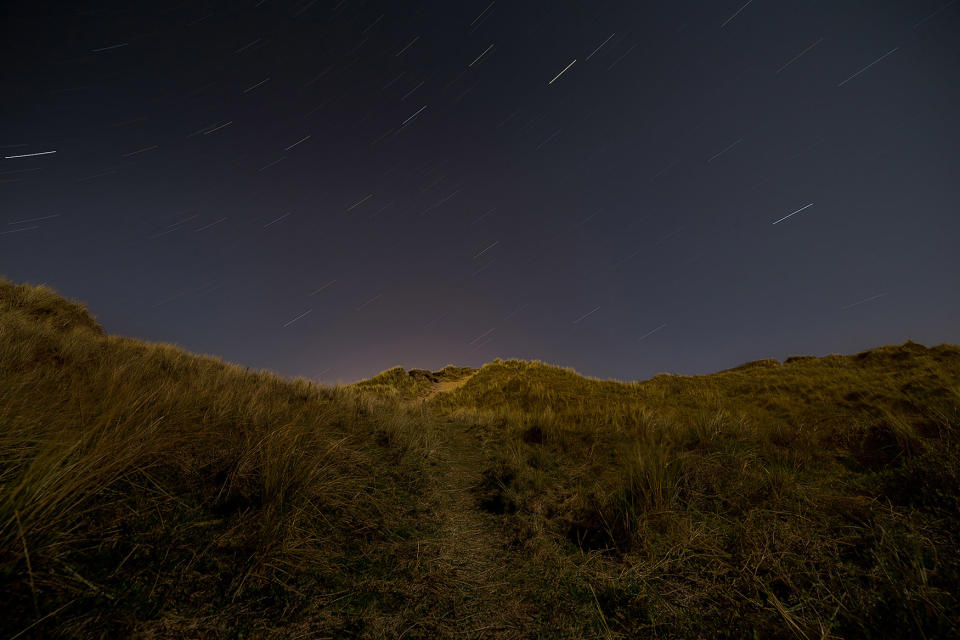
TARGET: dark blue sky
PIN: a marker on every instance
(329, 189)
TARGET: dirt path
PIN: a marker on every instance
(483, 599)
(477, 596)
(447, 385)
(471, 553)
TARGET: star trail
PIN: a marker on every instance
(330, 189)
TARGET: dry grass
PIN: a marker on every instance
(149, 492)
(146, 490)
(814, 498)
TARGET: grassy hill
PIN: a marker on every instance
(149, 492)
(814, 498)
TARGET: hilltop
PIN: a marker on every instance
(146, 491)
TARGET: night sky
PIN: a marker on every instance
(331, 188)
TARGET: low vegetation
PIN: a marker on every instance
(818, 497)
(146, 491)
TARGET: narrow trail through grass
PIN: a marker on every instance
(471, 554)
(446, 386)
(471, 548)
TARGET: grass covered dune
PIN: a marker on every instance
(147, 490)
(153, 493)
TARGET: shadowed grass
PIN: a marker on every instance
(145, 491)
(807, 499)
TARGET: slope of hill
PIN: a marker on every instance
(416, 384)
(814, 497)
(146, 491)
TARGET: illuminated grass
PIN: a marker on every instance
(148, 491)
